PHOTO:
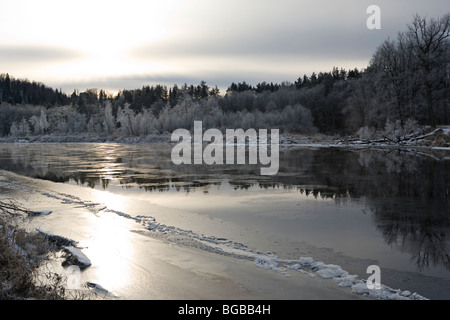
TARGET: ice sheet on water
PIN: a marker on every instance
(268, 261)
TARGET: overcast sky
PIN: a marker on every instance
(127, 44)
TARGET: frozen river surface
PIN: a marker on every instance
(349, 209)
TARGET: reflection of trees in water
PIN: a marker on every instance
(411, 208)
(406, 194)
(423, 234)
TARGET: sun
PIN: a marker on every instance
(100, 33)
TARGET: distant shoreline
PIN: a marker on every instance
(433, 142)
(286, 137)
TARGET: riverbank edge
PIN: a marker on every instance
(438, 138)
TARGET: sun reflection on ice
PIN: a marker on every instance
(110, 246)
(111, 201)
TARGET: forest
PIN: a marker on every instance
(405, 85)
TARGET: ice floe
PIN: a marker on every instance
(266, 263)
(344, 279)
(331, 271)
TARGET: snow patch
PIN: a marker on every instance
(58, 240)
(80, 258)
(306, 261)
(347, 281)
(344, 279)
(384, 293)
(266, 263)
(331, 271)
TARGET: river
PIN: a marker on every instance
(350, 207)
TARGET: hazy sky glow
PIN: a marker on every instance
(127, 44)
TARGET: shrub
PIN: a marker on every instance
(23, 258)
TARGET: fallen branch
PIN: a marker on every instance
(407, 139)
(13, 209)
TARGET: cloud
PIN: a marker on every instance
(37, 54)
(177, 41)
(283, 43)
(284, 28)
(268, 31)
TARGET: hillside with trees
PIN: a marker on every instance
(405, 85)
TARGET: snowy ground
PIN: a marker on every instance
(141, 253)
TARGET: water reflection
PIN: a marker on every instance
(424, 236)
(110, 248)
(406, 194)
(410, 205)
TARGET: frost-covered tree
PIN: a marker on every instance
(109, 121)
(408, 78)
(397, 77)
(20, 129)
(40, 124)
(95, 126)
(431, 46)
(125, 116)
(147, 123)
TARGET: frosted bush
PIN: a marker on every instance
(366, 133)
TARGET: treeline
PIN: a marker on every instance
(406, 83)
(15, 91)
(111, 120)
(158, 96)
(302, 82)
